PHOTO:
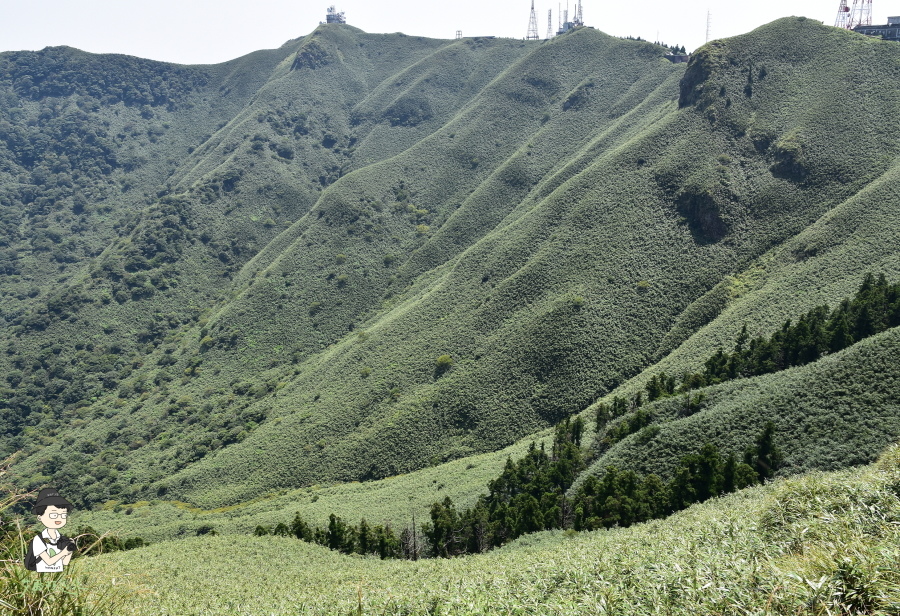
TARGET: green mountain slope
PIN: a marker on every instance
(268, 309)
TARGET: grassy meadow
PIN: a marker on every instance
(818, 543)
(395, 500)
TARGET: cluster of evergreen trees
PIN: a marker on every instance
(622, 498)
(90, 543)
(874, 309)
(530, 495)
(343, 537)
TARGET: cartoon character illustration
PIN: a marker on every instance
(50, 550)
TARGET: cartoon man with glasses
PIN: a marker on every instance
(51, 550)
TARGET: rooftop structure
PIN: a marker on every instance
(889, 31)
(333, 17)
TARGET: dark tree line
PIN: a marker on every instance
(821, 331)
(349, 539)
(530, 495)
(622, 498)
(874, 309)
(90, 543)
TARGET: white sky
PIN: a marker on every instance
(209, 31)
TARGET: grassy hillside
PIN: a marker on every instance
(361, 255)
(841, 410)
(395, 501)
(815, 544)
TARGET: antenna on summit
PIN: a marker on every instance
(859, 15)
(565, 24)
(549, 24)
(532, 25)
(333, 17)
(708, 24)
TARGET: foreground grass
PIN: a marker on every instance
(28, 593)
(822, 543)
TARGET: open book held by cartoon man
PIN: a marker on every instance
(50, 550)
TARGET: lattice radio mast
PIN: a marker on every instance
(843, 16)
(708, 24)
(859, 15)
(532, 25)
(550, 24)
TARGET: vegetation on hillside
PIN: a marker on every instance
(875, 308)
(532, 494)
(231, 291)
(814, 544)
(361, 255)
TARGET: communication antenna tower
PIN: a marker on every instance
(459, 34)
(532, 25)
(550, 23)
(843, 16)
(708, 24)
(579, 20)
(861, 15)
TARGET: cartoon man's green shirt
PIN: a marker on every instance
(50, 557)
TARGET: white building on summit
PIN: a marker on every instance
(333, 17)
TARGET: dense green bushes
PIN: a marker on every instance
(874, 309)
(532, 494)
(622, 498)
(108, 79)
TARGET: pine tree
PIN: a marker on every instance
(768, 456)
(365, 537)
(300, 529)
(728, 472)
(839, 336)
